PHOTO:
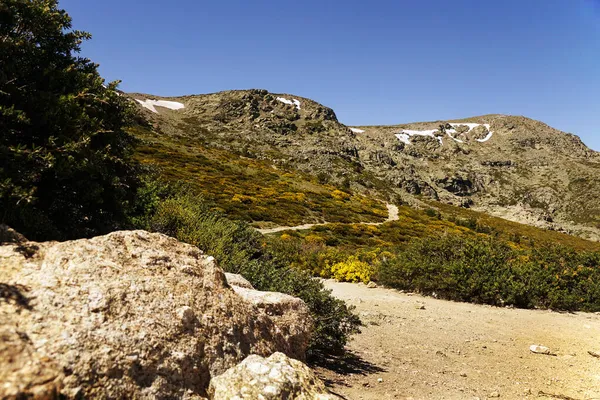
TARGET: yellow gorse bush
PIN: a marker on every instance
(352, 270)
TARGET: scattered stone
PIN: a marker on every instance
(494, 394)
(420, 306)
(537, 349)
(371, 285)
(463, 374)
(276, 377)
(594, 353)
(380, 380)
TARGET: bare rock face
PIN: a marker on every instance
(276, 377)
(238, 280)
(290, 314)
(126, 315)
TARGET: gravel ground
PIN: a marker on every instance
(415, 347)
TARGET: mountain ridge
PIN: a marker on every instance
(509, 166)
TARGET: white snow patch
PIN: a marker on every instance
(290, 102)
(149, 104)
(403, 137)
(406, 134)
(356, 130)
(485, 139)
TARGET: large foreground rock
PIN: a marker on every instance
(127, 315)
(276, 377)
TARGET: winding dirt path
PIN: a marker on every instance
(415, 347)
(392, 216)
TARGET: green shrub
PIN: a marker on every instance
(483, 270)
(65, 156)
(240, 249)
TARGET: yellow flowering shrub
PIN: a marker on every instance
(352, 270)
(240, 198)
(339, 195)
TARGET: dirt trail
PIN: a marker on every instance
(392, 216)
(415, 347)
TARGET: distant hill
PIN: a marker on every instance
(508, 166)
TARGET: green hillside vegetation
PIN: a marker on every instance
(512, 231)
(65, 157)
(468, 257)
(444, 219)
(485, 270)
(446, 251)
(253, 190)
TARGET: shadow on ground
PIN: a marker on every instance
(332, 369)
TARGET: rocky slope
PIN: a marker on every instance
(509, 166)
(131, 315)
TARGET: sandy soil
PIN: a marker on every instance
(415, 347)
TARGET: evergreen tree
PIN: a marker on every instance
(65, 157)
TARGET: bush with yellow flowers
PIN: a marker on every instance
(352, 270)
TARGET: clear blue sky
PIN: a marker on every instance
(373, 62)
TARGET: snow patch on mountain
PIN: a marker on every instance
(290, 102)
(150, 104)
(406, 134)
(356, 130)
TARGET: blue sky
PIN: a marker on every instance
(373, 62)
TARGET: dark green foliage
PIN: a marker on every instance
(314, 127)
(430, 212)
(64, 170)
(483, 270)
(240, 249)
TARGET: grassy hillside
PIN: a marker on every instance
(455, 254)
(440, 249)
(442, 220)
(253, 190)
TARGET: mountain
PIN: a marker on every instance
(508, 166)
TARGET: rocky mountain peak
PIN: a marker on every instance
(512, 166)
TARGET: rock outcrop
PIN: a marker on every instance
(276, 377)
(129, 315)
